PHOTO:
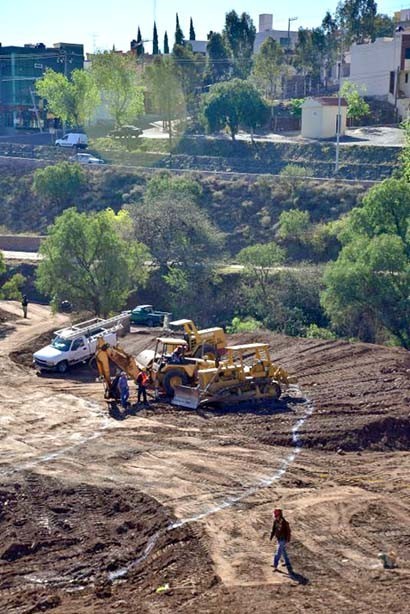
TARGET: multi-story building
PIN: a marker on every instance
(382, 69)
(286, 38)
(20, 67)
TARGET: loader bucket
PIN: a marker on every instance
(185, 396)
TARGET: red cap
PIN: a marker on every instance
(277, 512)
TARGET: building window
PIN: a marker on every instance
(392, 80)
(406, 77)
(284, 42)
(407, 53)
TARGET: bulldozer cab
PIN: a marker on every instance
(209, 342)
(169, 349)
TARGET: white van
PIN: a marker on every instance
(73, 139)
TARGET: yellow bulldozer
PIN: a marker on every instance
(246, 374)
(170, 365)
(205, 343)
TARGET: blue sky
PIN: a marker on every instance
(102, 23)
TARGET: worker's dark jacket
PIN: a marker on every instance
(281, 529)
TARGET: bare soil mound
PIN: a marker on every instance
(61, 543)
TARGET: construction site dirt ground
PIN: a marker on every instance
(99, 511)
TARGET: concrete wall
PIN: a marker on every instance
(276, 35)
(319, 121)
(20, 243)
(371, 64)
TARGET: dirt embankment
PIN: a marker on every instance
(85, 498)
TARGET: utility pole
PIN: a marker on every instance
(339, 116)
(289, 20)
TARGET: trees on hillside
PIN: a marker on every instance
(166, 90)
(231, 104)
(86, 261)
(170, 222)
(239, 34)
(59, 185)
(370, 280)
(189, 69)
(357, 107)
(116, 79)
(356, 18)
(73, 100)
(218, 63)
(268, 67)
(179, 35)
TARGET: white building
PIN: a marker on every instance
(382, 69)
(320, 117)
(287, 40)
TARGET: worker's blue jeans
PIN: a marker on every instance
(281, 551)
(125, 394)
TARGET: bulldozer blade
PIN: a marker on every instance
(184, 396)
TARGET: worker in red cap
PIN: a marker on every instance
(281, 530)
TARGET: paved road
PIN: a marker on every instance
(26, 256)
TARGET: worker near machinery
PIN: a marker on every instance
(281, 530)
(177, 355)
(123, 390)
(24, 305)
(142, 382)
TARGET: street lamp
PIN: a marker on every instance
(289, 20)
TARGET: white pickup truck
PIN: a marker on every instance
(77, 343)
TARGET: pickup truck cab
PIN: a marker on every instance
(145, 315)
(76, 344)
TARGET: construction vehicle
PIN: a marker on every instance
(77, 343)
(246, 374)
(165, 367)
(208, 342)
(167, 370)
(105, 355)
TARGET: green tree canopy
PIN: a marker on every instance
(191, 30)
(59, 185)
(231, 104)
(179, 35)
(155, 48)
(189, 69)
(357, 19)
(371, 277)
(86, 261)
(171, 223)
(73, 100)
(218, 63)
(357, 107)
(239, 33)
(139, 46)
(116, 78)
(165, 89)
(166, 43)
(268, 67)
(293, 224)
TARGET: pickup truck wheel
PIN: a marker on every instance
(174, 377)
(150, 323)
(62, 367)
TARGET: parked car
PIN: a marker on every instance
(147, 316)
(73, 139)
(84, 158)
(126, 132)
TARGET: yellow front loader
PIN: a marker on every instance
(205, 343)
(105, 355)
(246, 374)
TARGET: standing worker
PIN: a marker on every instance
(24, 303)
(142, 381)
(124, 389)
(281, 530)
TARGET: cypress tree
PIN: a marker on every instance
(139, 45)
(166, 44)
(179, 36)
(155, 48)
(191, 31)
